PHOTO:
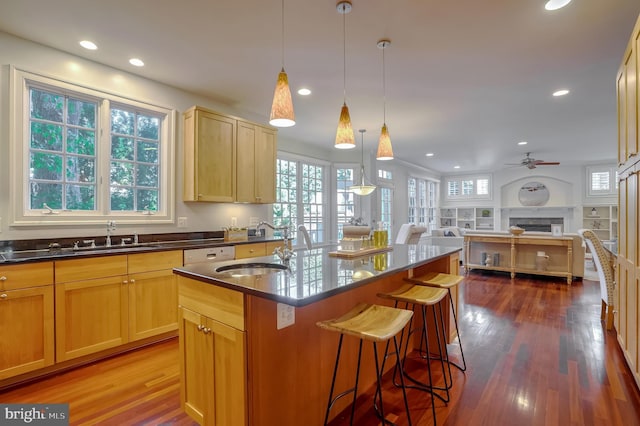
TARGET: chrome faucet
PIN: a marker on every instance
(111, 226)
(284, 253)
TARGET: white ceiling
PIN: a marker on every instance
(466, 79)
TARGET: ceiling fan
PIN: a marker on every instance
(531, 163)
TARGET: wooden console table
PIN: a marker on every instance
(517, 254)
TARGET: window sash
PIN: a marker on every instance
(21, 82)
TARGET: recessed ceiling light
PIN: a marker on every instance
(136, 62)
(429, 154)
(522, 143)
(304, 92)
(561, 92)
(89, 45)
(556, 4)
(456, 167)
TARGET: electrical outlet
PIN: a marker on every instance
(234, 221)
(286, 315)
(182, 222)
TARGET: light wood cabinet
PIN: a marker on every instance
(227, 159)
(256, 165)
(153, 293)
(244, 251)
(213, 388)
(91, 305)
(106, 302)
(627, 293)
(26, 318)
(209, 156)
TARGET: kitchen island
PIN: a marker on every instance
(250, 350)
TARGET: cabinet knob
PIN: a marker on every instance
(132, 281)
(206, 330)
(251, 250)
(200, 327)
(3, 278)
(3, 296)
(125, 282)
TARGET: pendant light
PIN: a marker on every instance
(345, 138)
(363, 188)
(385, 151)
(282, 114)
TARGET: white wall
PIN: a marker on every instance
(50, 62)
(566, 184)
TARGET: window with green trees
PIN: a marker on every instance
(88, 154)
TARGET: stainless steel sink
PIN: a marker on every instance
(253, 268)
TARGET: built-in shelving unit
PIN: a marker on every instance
(477, 218)
(602, 219)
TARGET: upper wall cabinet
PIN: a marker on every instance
(627, 90)
(227, 159)
(256, 164)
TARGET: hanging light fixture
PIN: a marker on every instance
(385, 151)
(282, 114)
(345, 138)
(363, 188)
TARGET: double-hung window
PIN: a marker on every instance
(82, 156)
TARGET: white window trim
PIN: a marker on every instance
(612, 191)
(19, 154)
(475, 195)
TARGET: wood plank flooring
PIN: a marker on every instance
(536, 350)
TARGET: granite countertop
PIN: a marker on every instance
(39, 255)
(313, 274)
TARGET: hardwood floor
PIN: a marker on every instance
(536, 350)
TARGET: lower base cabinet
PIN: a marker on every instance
(213, 366)
(26, 331)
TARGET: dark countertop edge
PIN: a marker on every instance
(298, 303)
(44, 256)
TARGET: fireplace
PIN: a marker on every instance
(541, 224)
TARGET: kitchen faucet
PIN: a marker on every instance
(111, 226)
(284, 253)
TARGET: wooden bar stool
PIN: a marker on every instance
(375, 323)
(444, 281)
(424, 297)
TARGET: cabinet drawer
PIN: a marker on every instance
(13, 277)
(155, 261)
(218, 303)
(250, 250)
(90, 268)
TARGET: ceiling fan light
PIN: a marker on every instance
(345, 138)
(385, 151)
(282, 114)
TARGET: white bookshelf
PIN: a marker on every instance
(602, 219)
(476, 218)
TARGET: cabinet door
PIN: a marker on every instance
(246, 163)
(244, 251)
(196, 366)
(265, 165)
(90, 316)
(631, 71)
(153, 304)
(210, 157)
(26, 330)
(256, 164)
(213, 369)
